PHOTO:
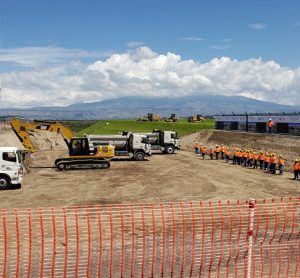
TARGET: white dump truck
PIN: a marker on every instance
(132, 145)
(11, 167)
(165, 141)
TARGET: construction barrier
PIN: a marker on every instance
(190, 239)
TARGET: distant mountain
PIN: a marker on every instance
(131, 107)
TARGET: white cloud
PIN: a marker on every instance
(134, 44)
(142, 72)
(220, 47)
(258, 26)
(37, 56)
(195, 39)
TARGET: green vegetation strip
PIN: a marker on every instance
(116, 126)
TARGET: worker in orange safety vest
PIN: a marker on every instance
(217, 151)
(270, 125)
(203, 152)
(261, 159)
(197, 147)
(280, 164)
(211, 153)
(223, 150)
(296, 169)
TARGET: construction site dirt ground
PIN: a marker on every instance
(161, 178)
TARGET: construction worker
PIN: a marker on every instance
(234, 158)
(270, 125)
(203, 152)
(255, 160)
(273, 164)
(227, 154)
(217, 151)
(239, 156)
(211, 153)
(261, 159)
(266, 162)
(296, 169)
(197, 146)
(223, 150)
(280, 164)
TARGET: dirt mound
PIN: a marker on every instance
(41, 140)
(287, 146)
(9, 139)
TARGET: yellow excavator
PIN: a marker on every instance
(81, 155)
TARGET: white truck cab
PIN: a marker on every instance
(11, 167)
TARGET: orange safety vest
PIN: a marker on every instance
(261, 157)
(217, 150)
(296, 166)
(270, 124)
(272, 159)
(211, 151)
(203, 150)
(197, 145)
(280, 161)
(267, 159)
(223, 149)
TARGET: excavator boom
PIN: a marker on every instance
(21, 129)
(81, 155)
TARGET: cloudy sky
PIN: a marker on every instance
(59, 52)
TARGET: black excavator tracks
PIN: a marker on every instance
(67, 164)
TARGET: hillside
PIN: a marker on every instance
(131, 107)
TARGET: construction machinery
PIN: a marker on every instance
(150, 118)
(81, 155)
(196, 119)
(165, 141)
(127, 144)
(173, 118)
(11, 167)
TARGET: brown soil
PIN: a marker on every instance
(182, 176)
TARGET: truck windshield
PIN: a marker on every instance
(174, 135)
(145, 140)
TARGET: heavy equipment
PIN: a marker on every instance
(195, 119)
(150, 118)
(81, 155)
(127, 144)
(165, 141)
(11, 167)
(173, 118)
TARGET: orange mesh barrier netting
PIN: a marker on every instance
(195, 239)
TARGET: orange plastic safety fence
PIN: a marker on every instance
(193, 239)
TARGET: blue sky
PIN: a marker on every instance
(46, 34)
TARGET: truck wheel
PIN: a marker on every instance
(61, 166)
(4, 183)
(170, 149)
(139, 156)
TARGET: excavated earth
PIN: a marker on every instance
(182, 176)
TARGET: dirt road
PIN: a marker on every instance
(182, 176)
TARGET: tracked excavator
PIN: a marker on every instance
(81, 155)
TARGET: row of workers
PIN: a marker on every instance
(248, 158)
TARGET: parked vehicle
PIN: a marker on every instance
(127, 144)
(165, 141)
(11, 167)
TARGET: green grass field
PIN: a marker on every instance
(116, 126)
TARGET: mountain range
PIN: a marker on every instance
(132, 107)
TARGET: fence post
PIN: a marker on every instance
(250, 236)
